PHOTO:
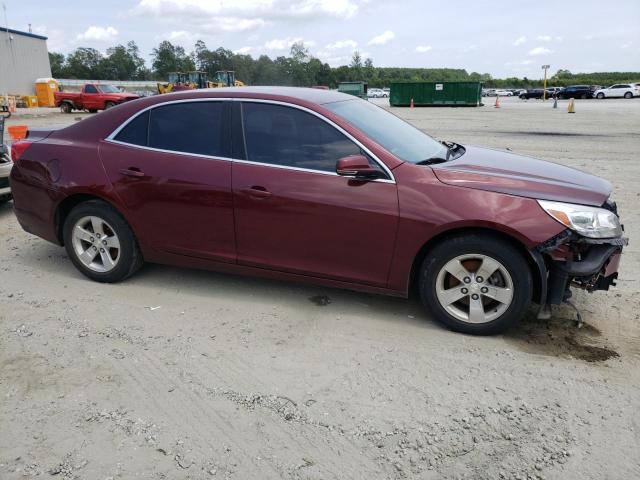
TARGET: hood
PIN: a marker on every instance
(505, 172)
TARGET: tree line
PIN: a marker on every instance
(299, 68)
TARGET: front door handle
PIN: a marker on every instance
(257, 191)
(132, 172)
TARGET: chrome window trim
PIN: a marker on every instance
(111, 137)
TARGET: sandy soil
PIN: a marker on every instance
(184, 374)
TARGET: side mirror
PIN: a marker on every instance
(357, 166)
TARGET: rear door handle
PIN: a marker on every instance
(257, 191)
(132, 172)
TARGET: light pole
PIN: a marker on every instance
(544, 89)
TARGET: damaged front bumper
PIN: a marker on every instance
(570, 260)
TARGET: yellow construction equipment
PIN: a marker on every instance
(225, 78)
(179, 81)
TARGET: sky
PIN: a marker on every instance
(503, 38)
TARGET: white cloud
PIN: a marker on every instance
(519, 41)
(56, 38)
(285, 43)
(559, 39)
(98, 34)
(244, 50)
(208, 11)
(544, 38)
(235, 24)
(383, 38)
(423, 48)
(340, 44)
(539, 51)
(626, 45)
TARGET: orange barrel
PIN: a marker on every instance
(17, 132)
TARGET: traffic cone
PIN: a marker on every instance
(497, 104)
(571, 108)
(411, 104)
(555, 102)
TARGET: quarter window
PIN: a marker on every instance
(280, 135)
(135, 132)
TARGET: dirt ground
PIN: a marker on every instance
(185, 374)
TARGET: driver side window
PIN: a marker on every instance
(287, 136)
(90, 89)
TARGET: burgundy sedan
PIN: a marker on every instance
(317, 186)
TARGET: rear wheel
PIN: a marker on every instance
(100, 243)
(66, 107)
(477, 284)
(109, 105)
(92, 110)
(628, 95)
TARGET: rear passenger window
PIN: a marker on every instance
(135, 132)
(195, 127)
(280, 135)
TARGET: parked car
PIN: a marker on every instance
(5, 166)
(92, 97)
(376, 93)
(488, 92)
(387, 90)
(532, 93)
(502, 93)
(619, 90)
(324, 188)
(578, 91)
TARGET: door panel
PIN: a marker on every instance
(314, 223)
(180, 203)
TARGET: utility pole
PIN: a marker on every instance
(544, 89)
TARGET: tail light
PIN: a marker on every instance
(18, 148)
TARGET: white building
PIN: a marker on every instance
(23, 59)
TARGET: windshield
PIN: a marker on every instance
(108, 89)
(397, 136)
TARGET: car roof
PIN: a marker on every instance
(312, 95)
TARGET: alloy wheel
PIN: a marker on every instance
(474, 288)
(96, 244)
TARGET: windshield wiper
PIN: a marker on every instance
(432, 160)
(453, 149)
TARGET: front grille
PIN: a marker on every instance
(4, 182)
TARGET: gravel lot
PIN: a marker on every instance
(185, 374)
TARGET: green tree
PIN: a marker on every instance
(169, 58)
(56, 60)
(84, 63)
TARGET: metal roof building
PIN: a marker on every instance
(23, 59)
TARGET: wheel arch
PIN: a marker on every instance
(534, 267)
(70, 202)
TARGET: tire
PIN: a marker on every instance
(92, 110)
(583, 96)
(126, 258)
(5, 198)
(511, 281)
(109, 105)
(628, 95)
(66, 107)
(523, 97)
(600, 96)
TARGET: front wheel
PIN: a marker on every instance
(476, 284)
(100, 243)
(600, 96)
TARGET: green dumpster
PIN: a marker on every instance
(436, 94)
(357, 89)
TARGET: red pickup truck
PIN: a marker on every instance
(92, 97)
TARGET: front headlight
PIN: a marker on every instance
(591, 222)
